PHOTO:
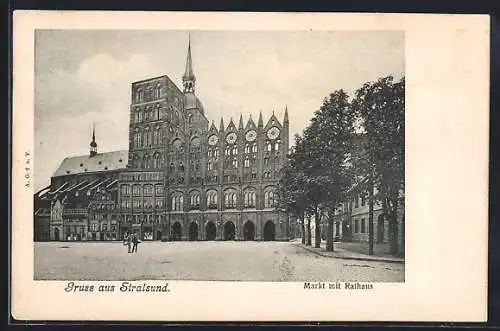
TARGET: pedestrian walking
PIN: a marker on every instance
(135, 241)
(127, 242)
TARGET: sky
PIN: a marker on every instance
(85, 76)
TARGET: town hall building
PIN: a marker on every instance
(182, 177)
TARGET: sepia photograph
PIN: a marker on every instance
(219, 155)
(249, 166)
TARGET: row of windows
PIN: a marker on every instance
(359, 226)
(103, 206)
(273, 147)
(148, 162)
(230, 199)
(94, 227)
(231, 150)
(136, 189)
(142, 176)
(147, 138)
(148, 94)
(147, 202)
(149, 114)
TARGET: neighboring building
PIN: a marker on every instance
(351, 218)
(181, 178)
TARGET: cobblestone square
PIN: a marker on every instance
(205, 260)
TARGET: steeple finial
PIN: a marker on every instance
(240, 126)
(260, 124)
(93, 144)
(285, 120)
(188, 79)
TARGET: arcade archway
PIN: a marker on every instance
(193, 231)
(210, 231)
(229, 231)
(269, 231)
(176, 233)
(249, 231)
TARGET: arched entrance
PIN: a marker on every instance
(249, 231)
(158, 235)
(56, 234)
(210, 231)
(229, 231)
(380, 229)
(176, 234)
(193, 231)
(269, 231)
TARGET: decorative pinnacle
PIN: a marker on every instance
(261, 124)
(221, 124)
(240, 126)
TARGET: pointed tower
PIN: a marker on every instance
(221, 128)
(260, 124)
(240, 126)
(188, 79)
(93, 144)
(286, 134)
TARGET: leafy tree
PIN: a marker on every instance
(335, 130)
(291, 195)
(322, 156)
(381, 108)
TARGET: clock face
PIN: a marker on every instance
(213, 139)
(251, 135)
(231, 138)
(273, 133)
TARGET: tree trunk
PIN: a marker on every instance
(393, 224)
(303, 228)
(370, 213)
(317, 230)
(329, 232)
(308, 242)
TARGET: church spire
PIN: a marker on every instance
(93, 144)
(285, 120)
(188, 79)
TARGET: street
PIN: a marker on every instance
(202, 260)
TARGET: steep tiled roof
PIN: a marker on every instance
(100, 162)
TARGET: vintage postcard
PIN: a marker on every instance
(249, 166)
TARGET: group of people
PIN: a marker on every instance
(131, 240)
